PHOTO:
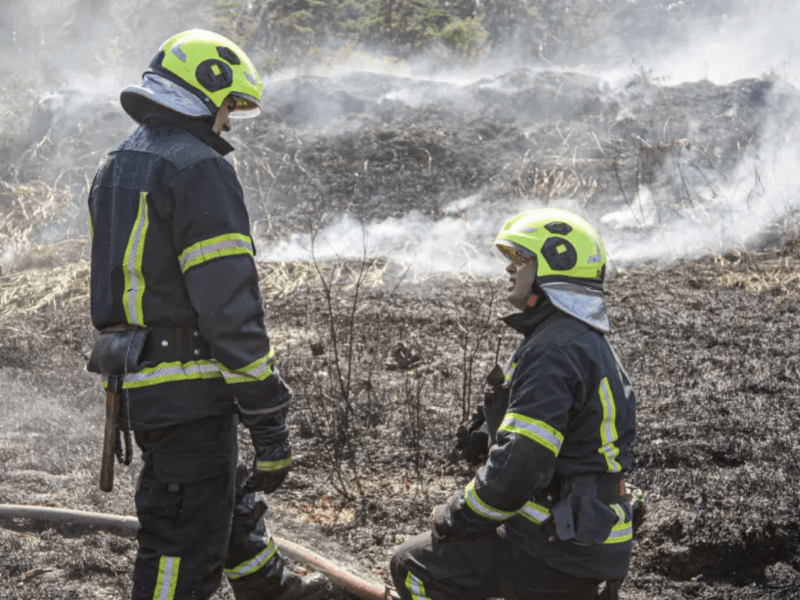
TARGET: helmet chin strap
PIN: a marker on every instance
(536, 295)
(533, 295)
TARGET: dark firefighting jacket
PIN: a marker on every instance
(172, 254)
(561, 421)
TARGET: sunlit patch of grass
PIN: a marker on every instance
(778, 278)
(64, 288)
(773, 270)
(327, 511)
(281, 279)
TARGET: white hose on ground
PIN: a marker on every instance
(338, 575)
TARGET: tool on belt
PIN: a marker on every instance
(115, 353)
(112, 437)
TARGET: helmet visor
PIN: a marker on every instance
(513, 253)
(247, 107)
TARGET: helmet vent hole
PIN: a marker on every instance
(228, 54)
(558, 227)
(560, 254)
(214, 75)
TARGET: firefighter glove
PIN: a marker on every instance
(273, 457)
(472, 438)
(442, 517)
(440, 521)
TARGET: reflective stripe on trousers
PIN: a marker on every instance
(167, 578)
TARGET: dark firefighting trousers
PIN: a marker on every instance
(196, 522)
(424, 568)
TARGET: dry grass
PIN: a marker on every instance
(772, 269)
(282, 279)
(758, 272)
(23, 293)
(66, 287)
(38, 184)
(564, 179)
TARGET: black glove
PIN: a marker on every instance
(273, 451)
(442, 517)
(440, 521)
(473, 438)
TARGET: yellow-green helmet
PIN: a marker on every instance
(192, 73)
(571, 260)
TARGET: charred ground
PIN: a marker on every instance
(714, 360)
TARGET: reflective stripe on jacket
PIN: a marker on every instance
(171, 247)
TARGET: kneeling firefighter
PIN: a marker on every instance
(547, 516)
(182, 342)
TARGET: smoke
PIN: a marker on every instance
(458, 243)
(750, 40)
(719, 210)
(63, 64)
(82, 53)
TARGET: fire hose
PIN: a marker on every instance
(338, 575)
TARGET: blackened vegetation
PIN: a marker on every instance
(379, 146)
(718, 381)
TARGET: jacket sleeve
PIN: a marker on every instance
(212, 239)
(522, 461)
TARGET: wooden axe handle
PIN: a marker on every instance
(110, 436)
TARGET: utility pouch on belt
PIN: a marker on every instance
(582, 514)
(117, 350)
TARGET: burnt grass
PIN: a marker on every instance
(715, 370)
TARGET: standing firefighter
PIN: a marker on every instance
(547, 515)
(182, 343)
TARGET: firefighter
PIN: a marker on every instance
(176, 301)
(547, 515)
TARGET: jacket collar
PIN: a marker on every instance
(528, 320)
(198, 127)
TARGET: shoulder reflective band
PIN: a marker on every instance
(167, 577)
(132, 266)
(415, 587)
(533, 429)
(230, 244)
(480, 507)
(249, 567)
(608, 428)
(273, 465)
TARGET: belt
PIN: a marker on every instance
(608, 488)
(171, 344)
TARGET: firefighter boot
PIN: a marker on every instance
(309, 587)
(283, 586)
